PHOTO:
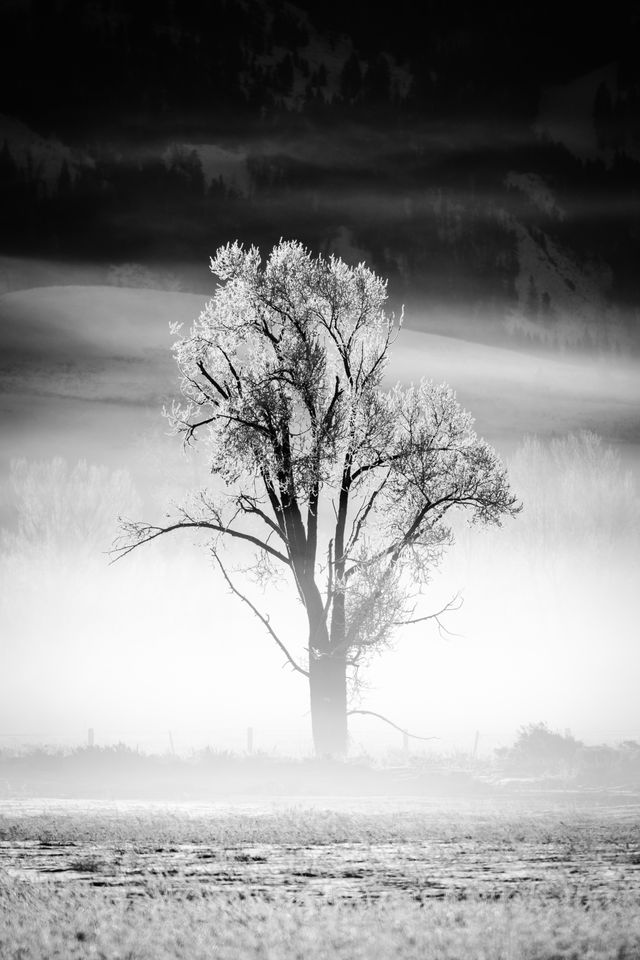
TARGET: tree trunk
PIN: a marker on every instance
(328, 689)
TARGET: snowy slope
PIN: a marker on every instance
(84, 372)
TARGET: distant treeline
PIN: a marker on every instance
(449, 231)
(112, 59)
(392, 138)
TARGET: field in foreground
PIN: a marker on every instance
(473, 879)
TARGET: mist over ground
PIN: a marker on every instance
(155, 643)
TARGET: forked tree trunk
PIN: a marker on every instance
(328, 688)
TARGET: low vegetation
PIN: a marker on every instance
(119, 771)
(539, 757)
(461, 880)
(66, 923)
(541, 752)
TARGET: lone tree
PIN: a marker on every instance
(336, 481)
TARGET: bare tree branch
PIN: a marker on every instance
(249, 505)
(263, 619)
(329, 578)
(233, 370)
(144, 533)
(214, 383)
(408, 538)
(372, 713)
(336, 396)
(363, 513)
(380, 462)
(454, 604)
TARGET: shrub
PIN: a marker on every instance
(540, 750)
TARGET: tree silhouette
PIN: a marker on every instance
(377, 80)
(603, 115)
(532, 302)
(351, 78)
(339, 484)
(64, 183)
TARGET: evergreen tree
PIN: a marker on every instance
(64, 183)
(377, 80)
(351, 78)
(603, 116)
(532, 301)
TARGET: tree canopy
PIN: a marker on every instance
(335, 480)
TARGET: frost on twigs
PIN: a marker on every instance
(344, 485)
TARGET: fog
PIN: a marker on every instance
(153, 652)
(154, 644)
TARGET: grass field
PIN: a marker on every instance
(466, 879)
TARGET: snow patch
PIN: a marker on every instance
(537, 191)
